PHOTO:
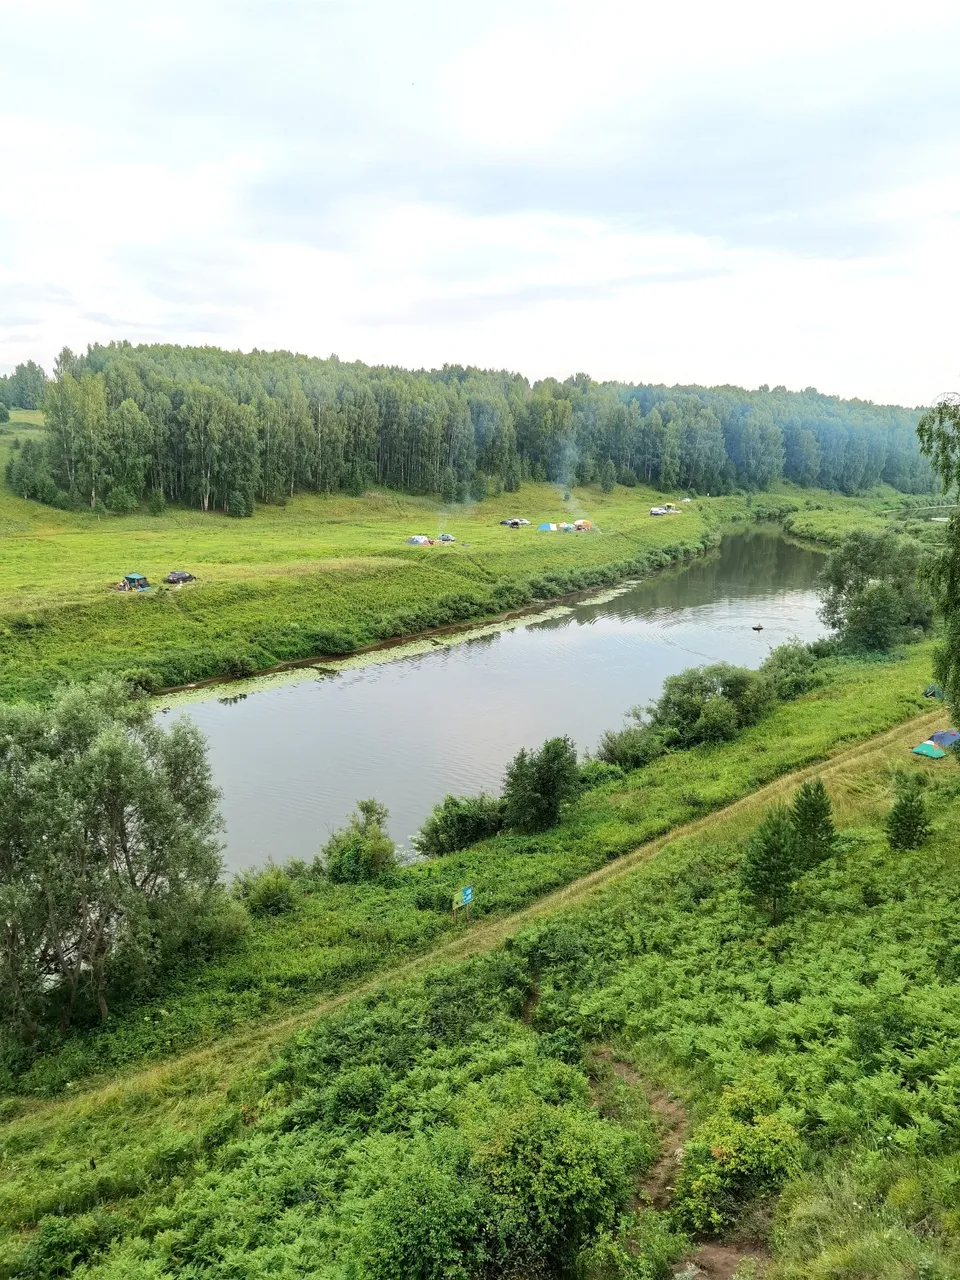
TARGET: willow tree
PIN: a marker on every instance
(939, 432)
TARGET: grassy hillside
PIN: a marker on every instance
(324, 573)
(141, 1155)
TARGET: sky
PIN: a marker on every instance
(743, 193)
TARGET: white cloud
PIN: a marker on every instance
(682, 192)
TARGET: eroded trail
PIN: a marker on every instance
(224, 1060)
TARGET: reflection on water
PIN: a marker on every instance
(291, 761)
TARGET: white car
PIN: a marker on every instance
(658, 511)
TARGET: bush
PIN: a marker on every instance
(457, 822)
(122, 502)
(630, 748)
(158, 503)
(362, 850)
(743, 1151)
(538, 784)
(790, 669)
(594, 773)
(328, 640)
(238, 665)
(266, 892)
(142, 681)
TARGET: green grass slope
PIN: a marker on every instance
(172, 1163)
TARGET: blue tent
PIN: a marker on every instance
(945, 738)
(547, 528)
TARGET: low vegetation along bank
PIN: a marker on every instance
(91, 1171)
(325, 575)
(505, 1116)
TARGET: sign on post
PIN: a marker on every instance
(462, 898)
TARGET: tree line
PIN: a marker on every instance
(222, 430)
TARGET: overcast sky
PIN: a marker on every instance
(678, 191)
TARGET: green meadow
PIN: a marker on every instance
(324, 575)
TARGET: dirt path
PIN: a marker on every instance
(242, 1049)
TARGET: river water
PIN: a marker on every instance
(292, 760)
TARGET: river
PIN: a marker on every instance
(292, 760)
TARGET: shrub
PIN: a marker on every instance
(266, 892)
(459, 821)
(238, 665)
(717, 721)
(630, 748)
(142, 681)
(538, 784)
(158, 503)
(791, 670)
(60, 1245)
(743, 1151)
(362, 850)
(122, 502)
(594, 773)
(682, 716)
(327, 640)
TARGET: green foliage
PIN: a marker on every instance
(811, 819)
(907, 824)
(872, 591)
(266, 891)
(939, 433)
(157, 504)
(771, 864)
(833, 1048)
(362, 850)
(791, 670)
(537, 784)
(608, 476)
(108, 851)
(458, 821)
(744, 1150)
(644, 1246)
(142, 681)
(4, 412)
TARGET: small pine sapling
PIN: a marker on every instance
(811, 817)
(907, 825)
(769, 866)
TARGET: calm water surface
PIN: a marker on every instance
(292, 761)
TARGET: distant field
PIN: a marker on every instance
(323, 572)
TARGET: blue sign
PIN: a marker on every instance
(466, 895)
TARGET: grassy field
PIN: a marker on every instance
(125, 1146)
(325, 573)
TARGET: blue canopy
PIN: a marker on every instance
(945, 738)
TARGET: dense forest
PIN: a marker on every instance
(223, 430)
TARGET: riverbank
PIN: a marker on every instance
(127, 1146)
(327, 575)
(339, 934)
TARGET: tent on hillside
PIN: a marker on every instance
(580, 525)
(133, 582)
(419, 540)
(934, 691)
(547, 528)
(930, 749)
(945, 738)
